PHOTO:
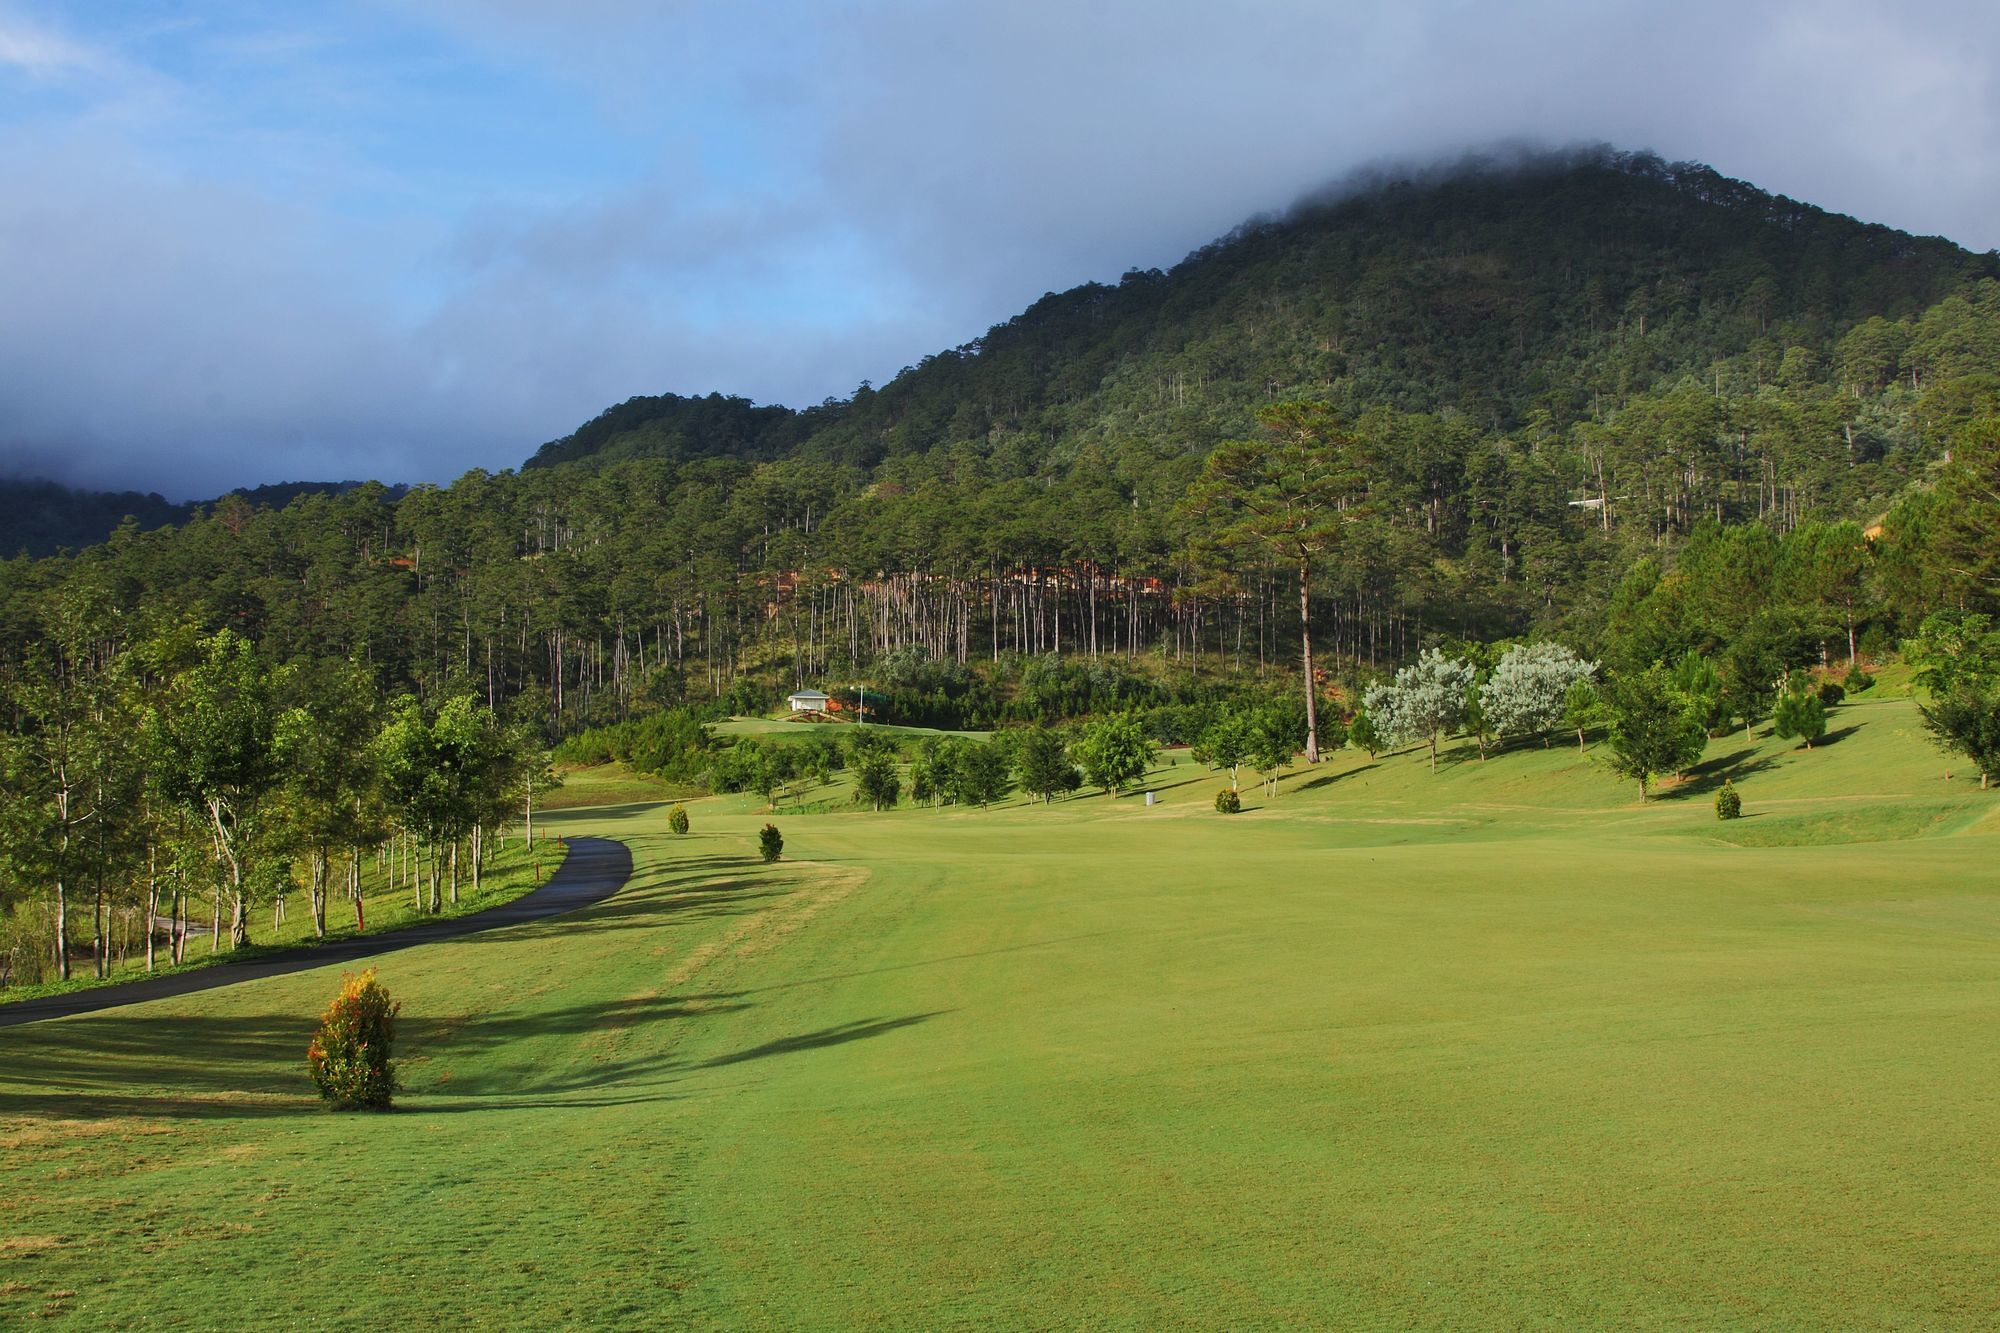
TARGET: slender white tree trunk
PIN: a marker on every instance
(1306, 647)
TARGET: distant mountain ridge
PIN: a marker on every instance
(42, 517)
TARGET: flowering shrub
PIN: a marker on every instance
(1227, 802)
(349, 1055)
(677, 818)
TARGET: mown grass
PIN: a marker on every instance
(607, 784)
(1497, 1047)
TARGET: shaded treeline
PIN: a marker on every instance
(149, 770)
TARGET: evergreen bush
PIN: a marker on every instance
(350, 1054)
(1362, 735)
(677, 818)
(1227, 802)
(1728, 803)
(770, 843)
(1857, 680)
(1800, 713)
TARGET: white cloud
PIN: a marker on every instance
(43, 52)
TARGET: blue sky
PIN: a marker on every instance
(245, 243)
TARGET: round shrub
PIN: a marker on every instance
(770, 843)
(349, 1055)
(677, 818)
(1830, 693)
(1728, 804)
(1858, 680)
(1227, 802)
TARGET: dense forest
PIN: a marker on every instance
(1631, 406)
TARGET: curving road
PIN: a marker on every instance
(595, 869)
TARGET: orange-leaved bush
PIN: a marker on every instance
(349, 1055)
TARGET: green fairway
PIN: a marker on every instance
(1498, 1046)
(606, 784)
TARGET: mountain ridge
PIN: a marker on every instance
(1443, 268)
(45, 516)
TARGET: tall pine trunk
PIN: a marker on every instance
(1306, 646)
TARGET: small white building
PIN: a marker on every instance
(809, 701)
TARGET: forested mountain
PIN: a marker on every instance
(1554, 371)
(1541, 295)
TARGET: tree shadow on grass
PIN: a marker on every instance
(1836, 736)
(838, 1035)
(1169, 786)
(1329, 779)
(627, 810)
(1710, 774)
(686, 871)
(252, 1066)
(1466, 751)
(713, 901)
(690, 891)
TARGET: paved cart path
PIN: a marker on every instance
(595, 869)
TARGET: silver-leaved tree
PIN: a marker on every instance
(1424, 703)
